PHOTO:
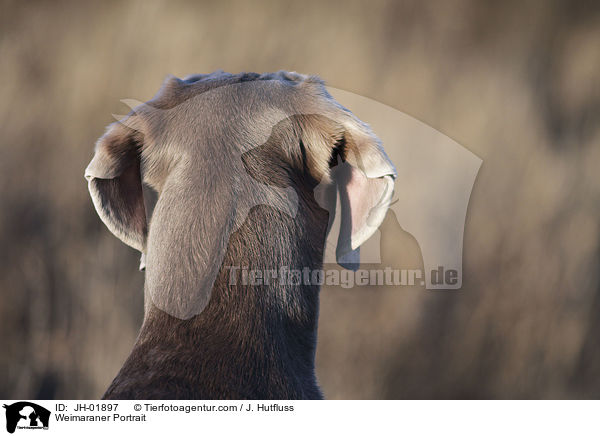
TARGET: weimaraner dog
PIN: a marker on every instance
(234, 161)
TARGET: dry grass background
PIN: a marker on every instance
(518, 83)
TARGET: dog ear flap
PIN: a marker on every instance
(365, 182)
(115, 184)
(364, 176)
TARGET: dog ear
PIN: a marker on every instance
(115, 184)
(362, 172)
(365, 182)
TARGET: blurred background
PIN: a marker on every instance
(517, 83)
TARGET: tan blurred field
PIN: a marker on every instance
(517, 83)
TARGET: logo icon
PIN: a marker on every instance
(26, 415)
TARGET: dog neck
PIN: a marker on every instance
(252, 341)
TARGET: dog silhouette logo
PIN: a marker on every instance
(26, 415)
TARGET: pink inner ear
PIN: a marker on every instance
(364, 196)
(360, 199)
(364, 202)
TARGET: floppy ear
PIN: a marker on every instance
(364, 176)
(115, 185)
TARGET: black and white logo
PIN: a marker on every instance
(26, 415)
